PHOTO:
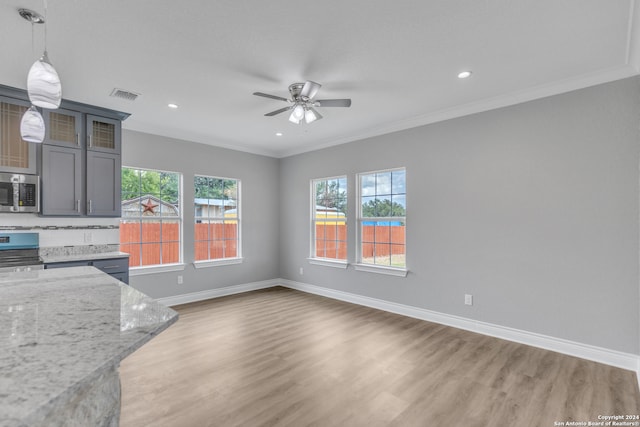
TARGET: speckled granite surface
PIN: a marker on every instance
(61, 329)
(78, 253)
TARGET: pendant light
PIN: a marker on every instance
(43, 82)
(32, 126)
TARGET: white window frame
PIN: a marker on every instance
(375, 268)
(157, 268)
(238, 259)
(313, 258)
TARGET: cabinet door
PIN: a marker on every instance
(103, 184)
(63, 127)
(16, 155)
(103, 134)
(61, 180)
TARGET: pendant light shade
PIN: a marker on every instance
(32, 126)
(43, 84)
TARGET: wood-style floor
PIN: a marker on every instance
(280, 357)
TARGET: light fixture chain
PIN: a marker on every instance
(33, 39)
(45, 25)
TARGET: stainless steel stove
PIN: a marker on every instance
(20, 252)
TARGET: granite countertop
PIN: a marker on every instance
(62, 257)
(61, 329)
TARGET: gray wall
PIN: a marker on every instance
(533, 209)
(259, 210)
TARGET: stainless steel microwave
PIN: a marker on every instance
(19, 193)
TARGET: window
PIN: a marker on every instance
(329, 218)
(151, 223)
(382, 219)
(217, 218)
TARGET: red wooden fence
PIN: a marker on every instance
(222, 243)
(219, 239)
(381, 240)
(215, 241)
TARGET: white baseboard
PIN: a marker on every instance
(217, 293)
(597, 354)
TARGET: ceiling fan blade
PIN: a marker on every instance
(332, 103)
(282, 110)
(310, 89)
(266, 95)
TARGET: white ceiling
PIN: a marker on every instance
(397, 61)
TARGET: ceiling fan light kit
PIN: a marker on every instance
(303, 100)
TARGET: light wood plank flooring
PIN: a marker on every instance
(280, 357)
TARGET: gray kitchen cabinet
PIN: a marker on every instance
(103, 134)
(61, 180)
(88, 184)
(63, 128)
(103, 184)
(115, 267)
(82, 143)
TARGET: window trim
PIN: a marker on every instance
(382, 269)
(216, 262)
(204, 263)
(316, 260)
(375, 268)
(158, 268)
(329, 262)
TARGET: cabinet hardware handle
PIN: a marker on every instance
(90, 142)
(110, 266)
(78, 205)
(77, 138)
(90, 206)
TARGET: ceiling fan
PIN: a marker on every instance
(302, 102)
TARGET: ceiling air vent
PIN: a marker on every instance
(124, 94)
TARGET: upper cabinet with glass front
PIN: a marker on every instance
(103, 134)
(63, 128)
(16, 155)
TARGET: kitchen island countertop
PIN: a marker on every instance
(63, 333)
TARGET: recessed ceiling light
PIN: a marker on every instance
(174, 106)
(464, 74)
(278, 133)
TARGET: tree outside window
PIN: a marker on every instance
(382, 218)
(217, 218)
(329, 218)
(150, 226)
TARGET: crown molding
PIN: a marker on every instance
(505, 100)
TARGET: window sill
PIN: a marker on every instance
(391, 271)
(152, 269)
(327, 262)
(218, 262)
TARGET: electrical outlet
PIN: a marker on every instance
(88, 237)
(301, 271)
(468, 299)
(180, 280)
